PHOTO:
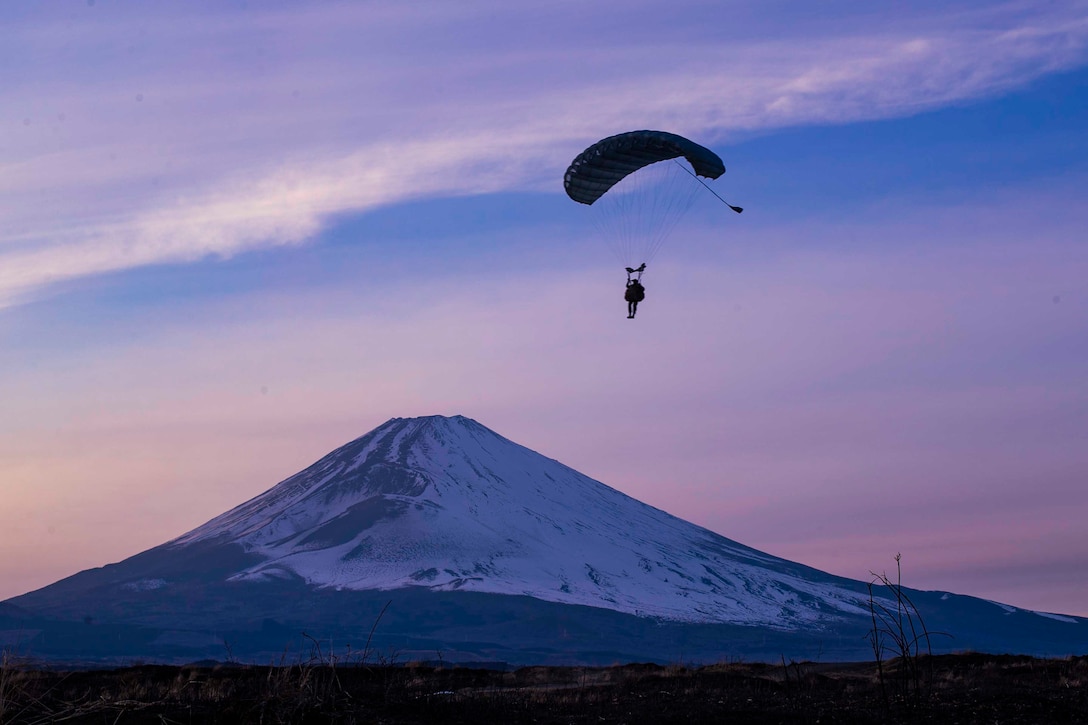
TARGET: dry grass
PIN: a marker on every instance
(5, 684)
(965, 688)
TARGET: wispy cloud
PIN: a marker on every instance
(118, 155)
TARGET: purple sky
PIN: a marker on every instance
(234, 236)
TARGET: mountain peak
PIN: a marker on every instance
(448, 421)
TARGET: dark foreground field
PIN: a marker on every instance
(965, 688)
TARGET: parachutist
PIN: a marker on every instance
(634, 294)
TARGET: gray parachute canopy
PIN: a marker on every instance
(605, 163)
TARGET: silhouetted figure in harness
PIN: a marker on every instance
(635, 292)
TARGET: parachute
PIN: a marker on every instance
(640, 187)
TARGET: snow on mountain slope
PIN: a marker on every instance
(446, 503)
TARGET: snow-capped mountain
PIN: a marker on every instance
(461, 541)
(446, 503)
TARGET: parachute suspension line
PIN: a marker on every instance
(737, 209)
(637, 216)
(618, 217)
(676, 196)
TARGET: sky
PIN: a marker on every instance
(236, 235)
